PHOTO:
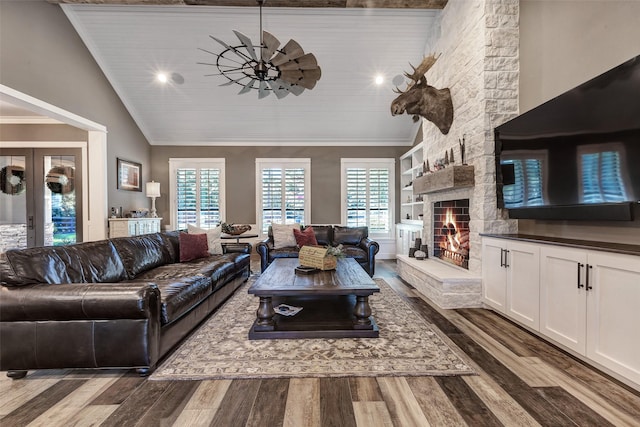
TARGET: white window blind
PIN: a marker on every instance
(601, 178)
(283, 191)
(197, 192)
(368, 194)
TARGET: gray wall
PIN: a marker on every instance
(41, 133)
(42, 55)
(240, 168)
(564, 43)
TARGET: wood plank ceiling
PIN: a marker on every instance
(381, 4)
(132, 40)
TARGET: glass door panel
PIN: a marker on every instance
(61, 222)
(16, 231)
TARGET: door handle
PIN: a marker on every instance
(589, 287)
(502, 257)
(580, 285)
(506, 259)
(30, 223)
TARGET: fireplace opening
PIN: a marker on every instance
(451, 231)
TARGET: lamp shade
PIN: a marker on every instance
(153, 189)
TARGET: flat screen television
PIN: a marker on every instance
(577, 156)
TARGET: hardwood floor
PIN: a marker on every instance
(522, 381)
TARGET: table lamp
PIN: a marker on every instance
(153, 191)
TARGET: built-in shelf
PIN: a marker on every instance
(449, 178)
(411, 164)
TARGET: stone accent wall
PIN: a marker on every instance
(478, 43)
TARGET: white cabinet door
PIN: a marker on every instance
(523, 283)
(613, 312)
(494, 274)
(563, 296)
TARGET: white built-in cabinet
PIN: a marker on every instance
(125, 227)
(590, 303)
(406, 235)
(586, 300)
(511, 279)
(411, 205)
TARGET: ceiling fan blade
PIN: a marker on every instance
(290, 51)
(294, 89)
(305, 62)
(221, 42)
(247, 42)
(291, 76)
(262, 90)
(271, 45)
(247, 87)
(278, 89)
(310, 78)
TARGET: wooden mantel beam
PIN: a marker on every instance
(383, 4)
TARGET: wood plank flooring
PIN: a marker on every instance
(522, 381)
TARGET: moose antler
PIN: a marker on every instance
(418, 72)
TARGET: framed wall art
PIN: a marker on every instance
(129, 175)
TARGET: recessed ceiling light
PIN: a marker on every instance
(162, 77)
(379, 79)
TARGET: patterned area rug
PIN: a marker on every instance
(220, 349)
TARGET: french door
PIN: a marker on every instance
(40, 197)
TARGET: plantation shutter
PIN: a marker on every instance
(198, 192)
(284, 193)
(368, 194)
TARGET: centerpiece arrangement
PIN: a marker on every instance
(233, 229)
(321, 258)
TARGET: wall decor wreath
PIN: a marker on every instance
(12, 180)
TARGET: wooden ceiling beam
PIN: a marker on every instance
(383, 4)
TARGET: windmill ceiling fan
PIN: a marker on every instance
(266, 67)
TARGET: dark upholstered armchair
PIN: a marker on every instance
(354, 240)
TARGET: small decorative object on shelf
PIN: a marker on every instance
(446, 158)
(233, 229)
(427, 167)
(425, 249)
(462, 144)
(420, 255)
(451, 159)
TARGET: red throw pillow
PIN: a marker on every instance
(193, 246)
(305, 237)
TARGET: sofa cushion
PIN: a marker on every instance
(324, 234)
(51, 265)
(171, 240)
(142, 253)
(349, 235)
(99, 260)
(213, 237)
(193, 246)
(305, 237)
(283, 235)
(178, 296)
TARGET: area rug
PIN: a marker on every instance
(407, 346)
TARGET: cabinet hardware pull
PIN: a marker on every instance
(506, 254)
(580, 285)
(589, 287)
(30, 223)
(501, 257)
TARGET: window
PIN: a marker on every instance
(529, 187)
(368, 194)
(197, 192)
(601, 174)
(283, 194)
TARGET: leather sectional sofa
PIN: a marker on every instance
(117, 303)
(354, 240)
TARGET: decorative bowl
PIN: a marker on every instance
(234, 230)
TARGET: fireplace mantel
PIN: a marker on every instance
(449, 178)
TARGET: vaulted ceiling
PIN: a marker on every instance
(132, 40)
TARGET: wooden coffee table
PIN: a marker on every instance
(335, 303)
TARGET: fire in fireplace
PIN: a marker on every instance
(451, 231)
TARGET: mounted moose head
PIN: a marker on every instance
(420, 99)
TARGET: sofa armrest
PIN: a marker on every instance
(242, 248)
(371, 247)
(80, 301)
(263, 249)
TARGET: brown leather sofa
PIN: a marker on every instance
(117, 303)
(354, 240)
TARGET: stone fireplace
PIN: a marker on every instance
(451, 232)
(479, 63)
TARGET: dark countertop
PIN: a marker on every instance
(620, 248)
